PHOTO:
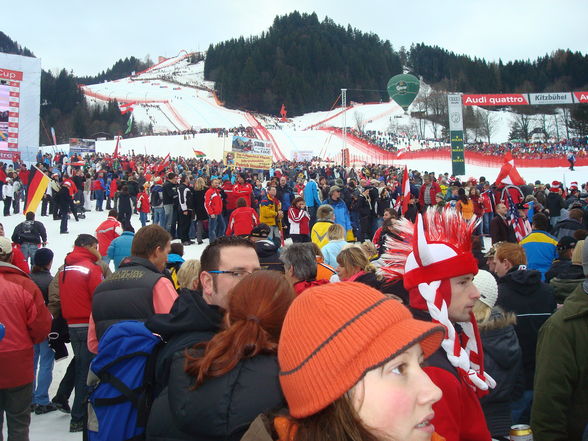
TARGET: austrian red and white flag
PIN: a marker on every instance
(405, 190)
(126, 108)
(115, 153)
(163, 165)
(508, 173)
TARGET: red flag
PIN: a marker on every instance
(126, 108)
(163, 165)
(405, 190)
(508, 174)
(115, 154)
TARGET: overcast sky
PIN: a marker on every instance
(88, 37)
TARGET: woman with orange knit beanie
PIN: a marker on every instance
(350, 368)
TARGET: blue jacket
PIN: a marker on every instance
(540, 248)
(311, 197)
(120, 248)
(341, 213)
(331, 251)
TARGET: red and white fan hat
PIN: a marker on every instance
(438, 255)
(573, 185)
(555, 186)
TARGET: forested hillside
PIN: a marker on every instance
(303, 63)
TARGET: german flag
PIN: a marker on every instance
(38, 182)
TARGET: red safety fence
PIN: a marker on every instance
(486, 160)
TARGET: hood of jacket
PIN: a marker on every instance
(501, 343)
(265, 248)
(80, 254)
(523, 282)
(189, 313)
(6, 268)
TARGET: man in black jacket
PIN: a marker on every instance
(521, 291)
(170, 200)
(196, 314)
(500, 230)
(186, 210)
(30, 234)
(65, 204)
(138, 289)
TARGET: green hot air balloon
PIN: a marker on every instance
(403, 89)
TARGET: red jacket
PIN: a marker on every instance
(458, 415)
(106, 232)
(77, 282)
(231, 201)
(242, 191)
(143, 204)
(113, 188)
(299, 221)
(432, 192)
(213, 201)
(487, 201)
(242, 221)
(303, 285)
(377, 235)
(27, 321)
(18, 259)
(23, 175)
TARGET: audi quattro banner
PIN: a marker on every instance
(523, 99)
(497, 99)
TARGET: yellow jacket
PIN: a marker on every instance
(318, 235)
(268, 210)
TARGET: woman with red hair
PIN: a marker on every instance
(216, 388)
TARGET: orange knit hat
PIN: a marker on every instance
(334, 334)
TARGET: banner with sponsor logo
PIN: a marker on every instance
(550, 98)
(302, 155)
(9, 108)
(20, 97)
(249, 153)
(581, 97)
(82, 146)
(456, 134)
(523, 99)
(497, 99)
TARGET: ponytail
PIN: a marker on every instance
(253, 322)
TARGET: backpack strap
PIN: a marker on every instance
(128, 394)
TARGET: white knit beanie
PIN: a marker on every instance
(486, 284)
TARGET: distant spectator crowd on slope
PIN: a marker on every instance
(397, 142)
(247, 132)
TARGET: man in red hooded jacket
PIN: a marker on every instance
(27, 322)
(242, 190)
(77, 282)
(107, 231)
(439, 278)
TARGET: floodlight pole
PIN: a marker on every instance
(344, 105)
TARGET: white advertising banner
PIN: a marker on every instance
(551, 98)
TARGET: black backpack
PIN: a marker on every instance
(155, 198)
(27, 227)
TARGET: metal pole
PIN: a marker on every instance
(556, 127)
(344, 105)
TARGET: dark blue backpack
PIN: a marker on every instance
(121, 381)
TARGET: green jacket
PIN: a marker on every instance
(564, 287)
(560, 402)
